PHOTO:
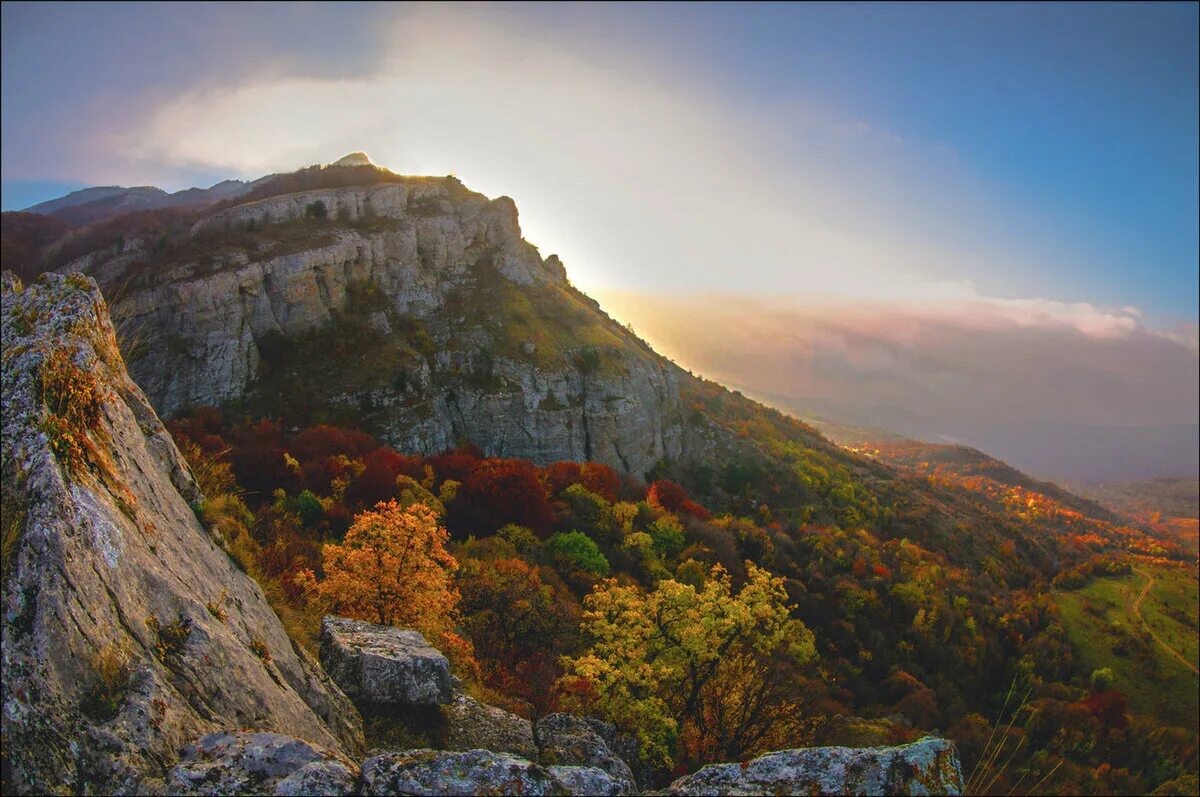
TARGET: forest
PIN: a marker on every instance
(709, 614)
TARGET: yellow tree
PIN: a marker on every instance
(392, 568)
(708, 672)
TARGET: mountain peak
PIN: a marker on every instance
(354, 159)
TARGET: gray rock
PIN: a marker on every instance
(927, 766)
(471, 725)
(259, 763)
(570, 740)
(319, 778)
(434, 772)
(590, 781)
(382, 665)
(92, 699)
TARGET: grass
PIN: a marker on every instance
(107, 694)
(12, 526)
(1104, 632)
(169, 638)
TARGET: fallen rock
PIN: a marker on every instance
(435, 772)
(383, 665)
(570, 740)
(471, 725)
(591, 781)
(928, 766)
(259, 763)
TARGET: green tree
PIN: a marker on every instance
(577, 550)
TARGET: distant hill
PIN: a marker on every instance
(90, 205)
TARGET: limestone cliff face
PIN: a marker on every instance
(429, 320)
(128, 632)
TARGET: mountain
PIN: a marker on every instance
(90, 205)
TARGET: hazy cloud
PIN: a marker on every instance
(961, 368)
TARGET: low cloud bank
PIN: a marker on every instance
(1066, 390)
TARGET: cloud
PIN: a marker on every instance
(638, 172)
(953, 365)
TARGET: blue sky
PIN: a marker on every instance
(1025, 151)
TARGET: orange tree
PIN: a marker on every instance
(392, 568)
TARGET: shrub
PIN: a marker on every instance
(258, 646)
(73, 399)
(169, 639)
(316, 210)
(104, 698)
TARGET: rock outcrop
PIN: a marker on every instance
(433, 772)
(470, 725)
(569, 740)
(464, 330)
(927, 766)
(128, 633)
(589, 781)
(382, 665)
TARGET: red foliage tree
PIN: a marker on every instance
(498, 492)
(457, 463)
(667, 495)
(561, 475)
(602, 480)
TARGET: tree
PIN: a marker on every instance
(392, 568)
(498, 492)
(698, 673)
(518, 624)
(577, 550)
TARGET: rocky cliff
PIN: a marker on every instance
(413, 308)
(128, 632)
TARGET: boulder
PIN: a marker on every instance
(435, 772)
(565, 739)
(259, 763)
(471, 725)
(382, 665)
(590, 781)
(928, 766)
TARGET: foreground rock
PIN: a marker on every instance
(570, 740)
(590, 781)
(928, 766)
(382, 665)
(471, 725)
(260, 763)
(433, 772)
(112, 659)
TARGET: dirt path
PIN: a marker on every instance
(1137, 612)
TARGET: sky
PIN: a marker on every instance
(920, 158)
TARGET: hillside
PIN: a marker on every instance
(343, 335)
